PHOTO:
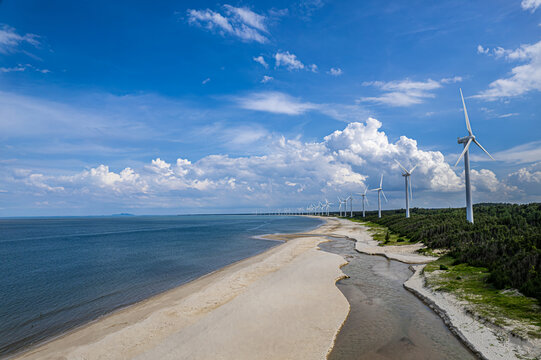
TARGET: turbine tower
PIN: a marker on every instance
(409, 193)
(467, 140)
(364, 198)
(350, 199)
(380, 191)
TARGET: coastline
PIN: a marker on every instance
(485, 340)
(284, 288)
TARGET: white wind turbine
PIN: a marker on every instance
(409, 193)
(363, 195)
(467, 140)
(339, 206)
(327, 205)
(350, 198)
(380, 191)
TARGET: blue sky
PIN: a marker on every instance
(182, 107)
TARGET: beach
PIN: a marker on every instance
(274, 305)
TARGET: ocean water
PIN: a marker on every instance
(59, 273)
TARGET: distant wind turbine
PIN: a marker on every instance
(364, 198)
(409, 193)
(380, 191)
(350, 199)
(467, 140)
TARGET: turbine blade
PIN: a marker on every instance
(413, 168)
(381, 181)
(482, 148)
(399, 164)
(384, 196)
(365, 190)
(466, 114)
(464, 151)
(365, 198)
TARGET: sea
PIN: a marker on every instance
(60, 273)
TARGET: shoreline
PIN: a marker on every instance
(485, 340)
(91, 339)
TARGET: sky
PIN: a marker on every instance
(178, 107)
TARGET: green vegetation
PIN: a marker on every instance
(501, 307)
(505, 239)
(384, 235)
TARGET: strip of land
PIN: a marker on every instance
(281, 304)
(484, 337)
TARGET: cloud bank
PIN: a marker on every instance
(289, 172)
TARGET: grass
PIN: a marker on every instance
(379, 232)
(502, 307)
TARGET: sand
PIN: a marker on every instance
(366, 245)
(281, 304)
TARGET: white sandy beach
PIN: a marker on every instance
(281, 304)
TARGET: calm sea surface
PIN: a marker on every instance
(58, 273)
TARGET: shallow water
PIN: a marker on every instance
(59, 273)
(386, 321)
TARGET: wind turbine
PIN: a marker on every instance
(339, 206)
(467, 140)
(364, 198)
(327, 205)
(380, 191)
(350, 198)
(409, 193)
(342, 201)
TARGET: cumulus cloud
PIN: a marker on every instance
(290, 170)
(261, 60)
(266, 79)
(288, 61)
(531, 5)
(10, 40)
(335, 71)
(528, 180)
(240, 22)
(406, 92)
(523, 78)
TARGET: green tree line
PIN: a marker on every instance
(506, 239)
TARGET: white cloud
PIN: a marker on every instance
(205, 81)
(335, 71)
(275, 102)
(531, 5)
(519, 154)
(406, 92)
(523, 78)
(452, 80)
(240, 22)
(288, 60)
(313, 68)
(482, 50)
(528, 180)
(266, 79)
(261, 60)
(21, 68)
(288, 171)
(18, 68)
(280, 103)
(10, 40)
